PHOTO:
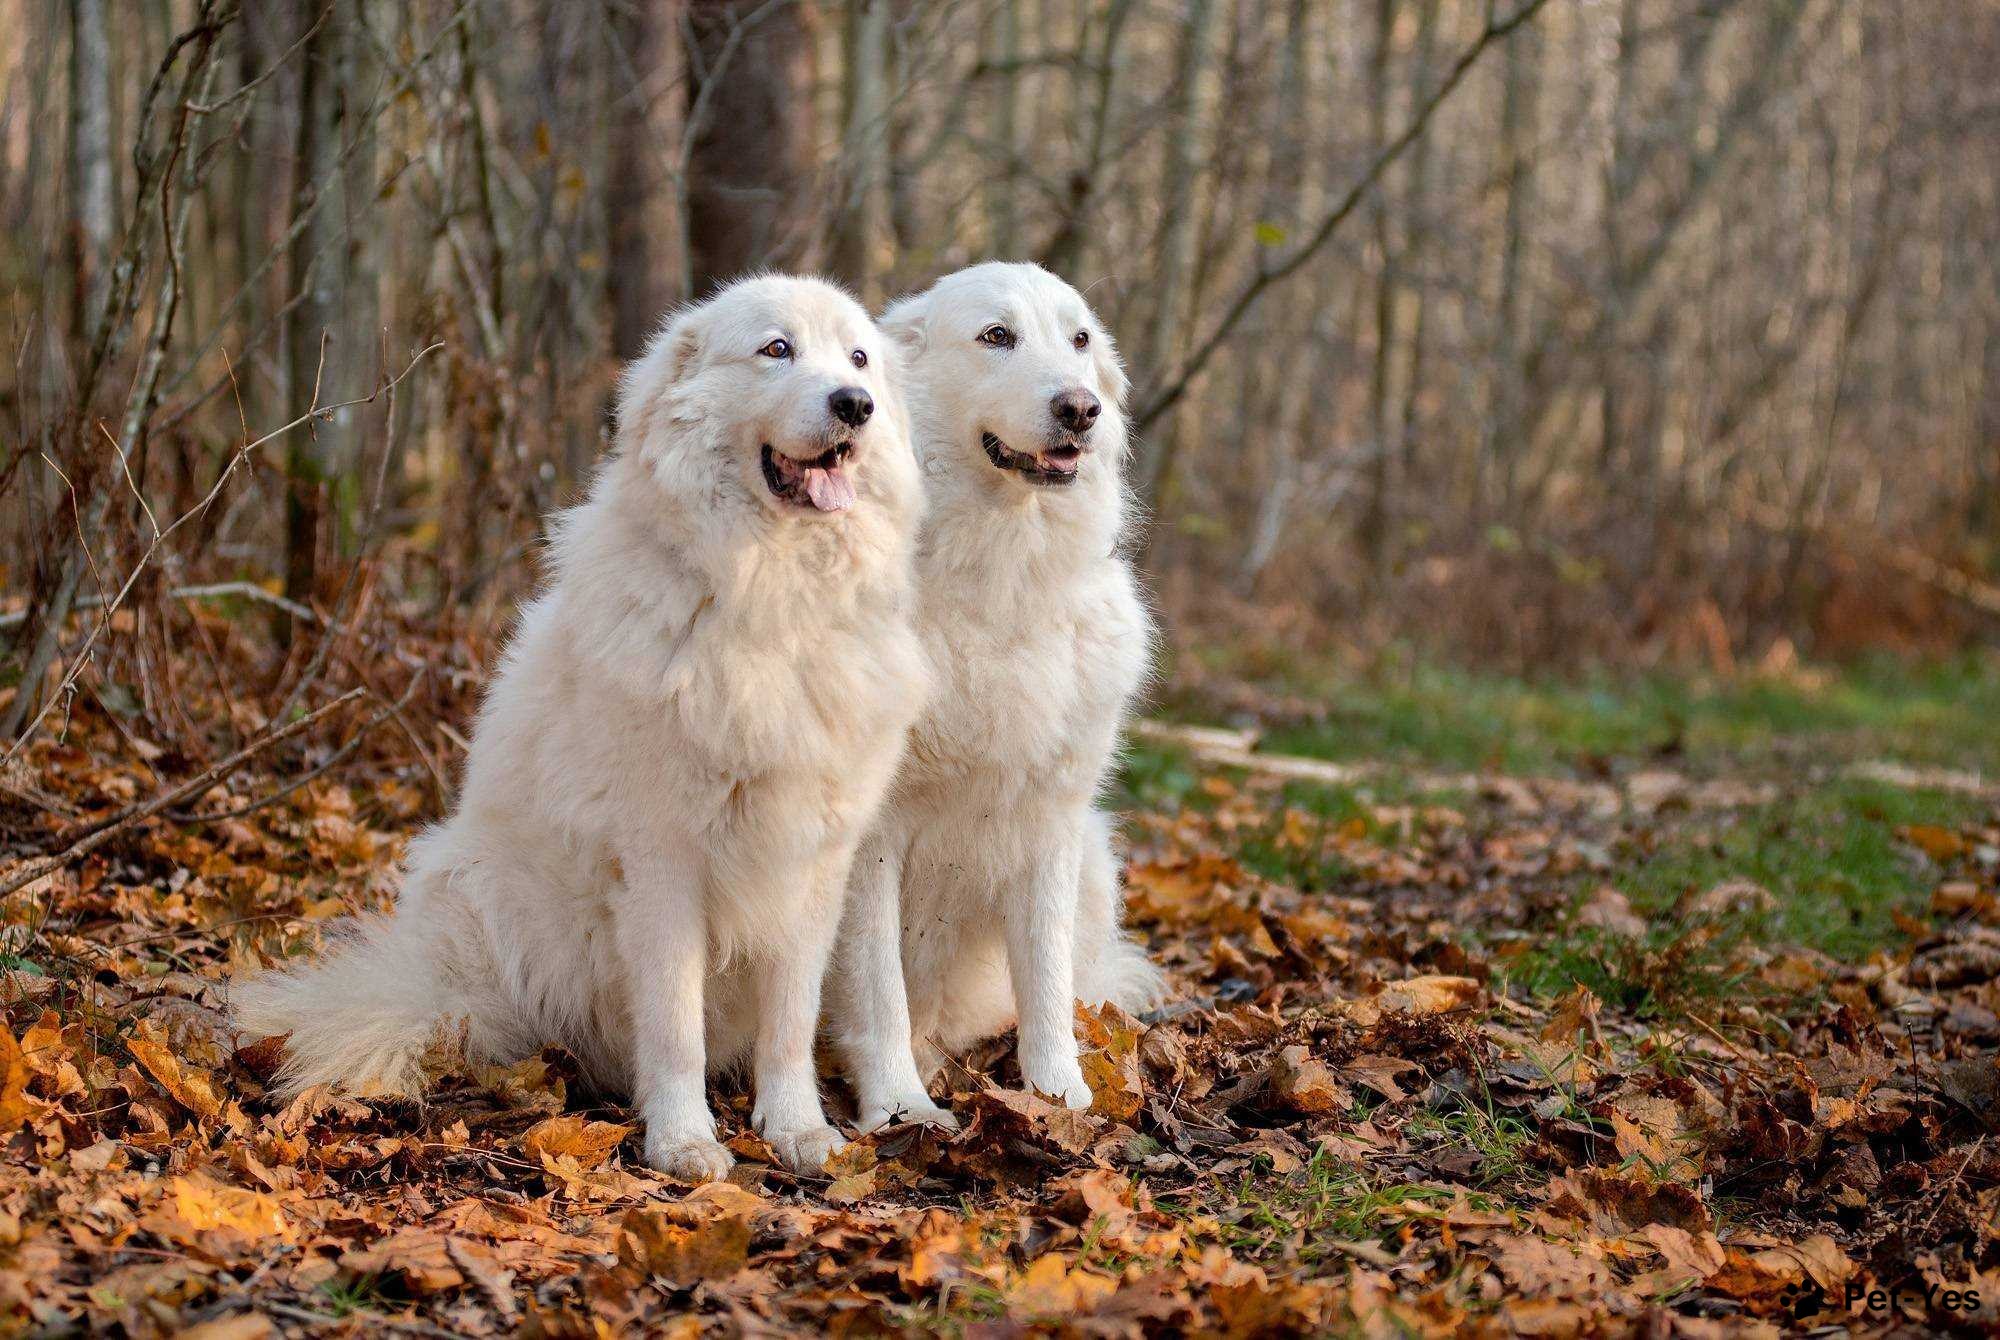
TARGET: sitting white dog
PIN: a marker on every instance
(693, 726)
(989, 888)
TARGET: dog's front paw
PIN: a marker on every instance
(689, 1160)
(805, 1150)
(1062, 1081)
(917, 1109)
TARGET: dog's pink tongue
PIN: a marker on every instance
(830, 490)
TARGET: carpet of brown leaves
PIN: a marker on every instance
(1347, 1122)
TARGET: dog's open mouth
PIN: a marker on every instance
(821, 483)
(1053, 466)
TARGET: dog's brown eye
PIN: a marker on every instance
(998, 336)
(1082, 340)
(859, 358)
(777, 349)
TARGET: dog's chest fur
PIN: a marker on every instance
(1036, 647)
(758, 708)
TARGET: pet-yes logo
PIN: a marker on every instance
(1934, 1297)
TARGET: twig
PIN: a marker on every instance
(98, 834)
(1723, 1038)
(185, 931)
(252, 85)
(333, 760)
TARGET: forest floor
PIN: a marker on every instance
(1652, 1007)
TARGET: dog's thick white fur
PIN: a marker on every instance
(685, 741)
(988, 891)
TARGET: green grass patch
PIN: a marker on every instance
(1153, 776)
(346, 1298)
(1668, 972)
(1829, 857)
(1309, 868)
(1301, 1218)
(1942, 714)
(1500, 1141)
(1837, 874)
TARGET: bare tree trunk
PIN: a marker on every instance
(1287, 187)
(637, 202)
(862, 209)
(1168, 329)
(750, 171)
(1378, 521)
(93, 189)
(1416, 240)
(1620, 176)
(906, 216)
(1499, 473)
(1003, 53)
(315, 266)
(1068, 249)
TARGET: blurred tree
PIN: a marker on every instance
(751, 175)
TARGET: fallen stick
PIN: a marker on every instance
(1239, 749)
(99, 833)
(210, 591)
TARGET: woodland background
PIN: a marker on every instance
(1559, 333)
(1569, 442)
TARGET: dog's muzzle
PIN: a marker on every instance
(1053, 467)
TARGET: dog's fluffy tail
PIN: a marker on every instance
(1110, 965)
(362, 1016)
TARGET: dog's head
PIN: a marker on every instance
(1017, 373)
(772, 390)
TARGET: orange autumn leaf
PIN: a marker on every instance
(588, 1142)
(1428, 995)
(190, 1088)
(15, 1108)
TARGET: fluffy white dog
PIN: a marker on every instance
(691, 730)
(988, 890)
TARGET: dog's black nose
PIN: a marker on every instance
(851, 405)
(1076, 410)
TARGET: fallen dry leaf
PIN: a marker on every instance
(588, 1142)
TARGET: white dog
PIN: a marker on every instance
(990, 881)
(689, 734)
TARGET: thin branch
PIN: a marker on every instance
(333, 761)
(210, 108)
(1175, 388)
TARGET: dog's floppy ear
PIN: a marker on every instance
(648, 380)
(904, 322)
(1110, 368)
(670, 355)
(679, 345)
